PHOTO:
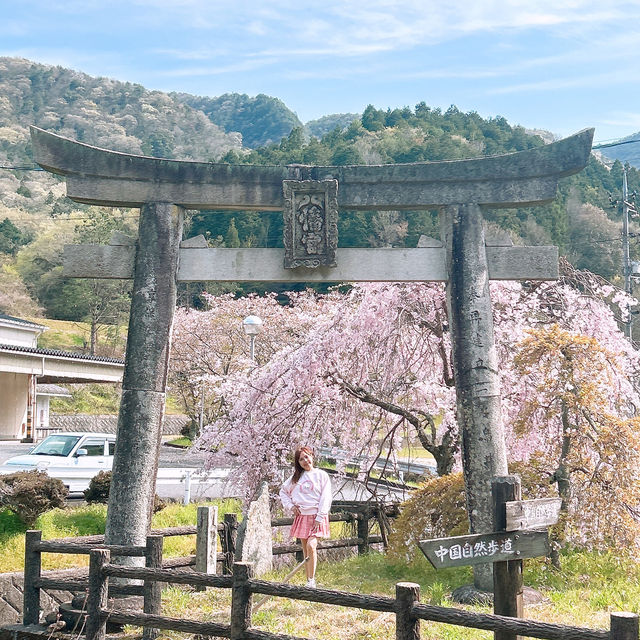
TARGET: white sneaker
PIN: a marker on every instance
(311, 583)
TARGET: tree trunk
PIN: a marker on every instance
(94, 337)
(145, 375)
(562, 477)
(475, 367)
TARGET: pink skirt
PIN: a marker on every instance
(302, 525)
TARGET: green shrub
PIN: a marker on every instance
(438, 509)
(435, 510)
(28, 494)
(98, 489)
(100, 485)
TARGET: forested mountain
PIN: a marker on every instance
(102, 112)
(261, 120)
(326, 124)
(36, 220)
(583, 221)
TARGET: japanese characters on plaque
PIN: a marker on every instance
(531, 514)
(310, 223)
(485, 548)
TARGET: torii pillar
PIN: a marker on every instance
(475, 366)
(144, 383)
(464, 260)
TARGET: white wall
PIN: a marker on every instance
(14, 391)
(42, 411)
(16, 335)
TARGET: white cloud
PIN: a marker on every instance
(214, 69)
(596, 81)
(623, 119)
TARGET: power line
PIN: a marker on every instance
(31, 168)
(614, 144)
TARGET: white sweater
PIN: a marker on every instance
(311, 494)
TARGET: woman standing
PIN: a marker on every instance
(307, 493)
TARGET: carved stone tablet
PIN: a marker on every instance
(310, 223)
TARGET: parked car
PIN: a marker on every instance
(72, 457)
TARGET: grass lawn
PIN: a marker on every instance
(183, 441)
(582, 594)
(90, 520)
(589, 586)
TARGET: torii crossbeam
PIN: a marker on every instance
(164, 188)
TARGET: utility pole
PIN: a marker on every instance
(628, 267)
(626, 263)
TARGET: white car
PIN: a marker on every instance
(74, 458)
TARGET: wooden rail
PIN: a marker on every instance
(204, 560)
(406, 606)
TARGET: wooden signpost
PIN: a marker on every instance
(485, 547)
(517, 536)
(532, 514)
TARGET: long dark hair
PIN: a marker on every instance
(296, 462)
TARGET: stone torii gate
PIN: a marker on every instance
(310, 198)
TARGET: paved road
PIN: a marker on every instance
(219, 485)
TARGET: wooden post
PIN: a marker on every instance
(624, 626)
(32, 570)
(207, 541)
(240, 600)
(407, 625)
(229, 541)
(96, 627)
(363, 532)
(152, 589)
(507, 576)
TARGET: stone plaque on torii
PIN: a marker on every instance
(162, 189)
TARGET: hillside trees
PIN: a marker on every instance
(260, 119)
(100, 302)
(12, 238)
(103, 112)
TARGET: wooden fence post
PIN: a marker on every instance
(363, 531)
(240, 600)
(407, 625)
(507, 576)
(32, 570)
(152, 589)
(207, 541)
(229, 541)
(624, 626)
(97, 599)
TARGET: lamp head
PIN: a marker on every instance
(252, 325)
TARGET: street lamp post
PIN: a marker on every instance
(252, 326)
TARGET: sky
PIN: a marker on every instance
(559, 65)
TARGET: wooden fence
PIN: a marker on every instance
(406, 606)
(204, 561)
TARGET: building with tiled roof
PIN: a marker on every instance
(24, 409)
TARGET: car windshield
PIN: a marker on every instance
(56, 445)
